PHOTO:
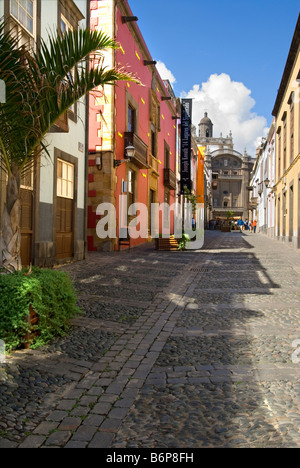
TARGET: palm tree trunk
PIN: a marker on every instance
(11, 235)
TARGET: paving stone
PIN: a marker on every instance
(101, 440)
(70, 424)
(58, 438)
(45, 428)
(84, 433)
(33, 441)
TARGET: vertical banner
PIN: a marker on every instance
(186, 144)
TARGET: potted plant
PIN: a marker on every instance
(227, 225)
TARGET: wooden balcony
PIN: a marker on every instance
(169, 179)
(154, 164)
(141, 150)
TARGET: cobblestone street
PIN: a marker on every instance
(173, 350)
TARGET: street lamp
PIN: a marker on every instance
(129, 155)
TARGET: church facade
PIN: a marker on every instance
(230, 173)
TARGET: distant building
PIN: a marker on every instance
(262, 198)
(230, 173)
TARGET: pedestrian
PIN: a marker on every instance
(254, 224)
(250, 226)
(241, 223)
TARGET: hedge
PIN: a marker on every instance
(51, 295)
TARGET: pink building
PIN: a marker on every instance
(130, 115)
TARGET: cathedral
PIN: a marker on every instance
(229, 170)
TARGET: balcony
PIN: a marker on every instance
(140, 158)
(154, 164)
(169, 179)
(254, 201)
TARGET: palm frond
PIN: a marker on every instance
(41, 86)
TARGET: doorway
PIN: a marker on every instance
(291, 213)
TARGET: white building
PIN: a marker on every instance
(262, 198)
(53, 198)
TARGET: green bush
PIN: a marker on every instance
(183, 241)
(51, 295)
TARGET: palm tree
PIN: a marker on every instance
(40, 87)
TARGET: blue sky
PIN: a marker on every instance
(244, 42)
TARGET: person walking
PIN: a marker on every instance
(241, 223)
(254, 224)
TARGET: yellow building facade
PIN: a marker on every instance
(287, 180)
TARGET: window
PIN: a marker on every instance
(215, 202)
(225, 162)
(292, 131)
(22, 10)
(65, 179)
(225, 204)
(279, 152)
(167, 210)
(27, 179)
(65, 25)
(167, 157)
(131, 187)
(131, 119)
(284, 143)
(153, 141)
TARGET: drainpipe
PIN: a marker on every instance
(86, 144)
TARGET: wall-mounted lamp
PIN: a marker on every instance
(99, 163)
(267, 183)
(98, 159)
(129, 19)
(129, 155)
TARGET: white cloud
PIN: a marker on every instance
(229, 105)
(165, 73)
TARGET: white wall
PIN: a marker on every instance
(69, 142)
(1, 8)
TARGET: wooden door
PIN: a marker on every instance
(26, 226)
(64, 228)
